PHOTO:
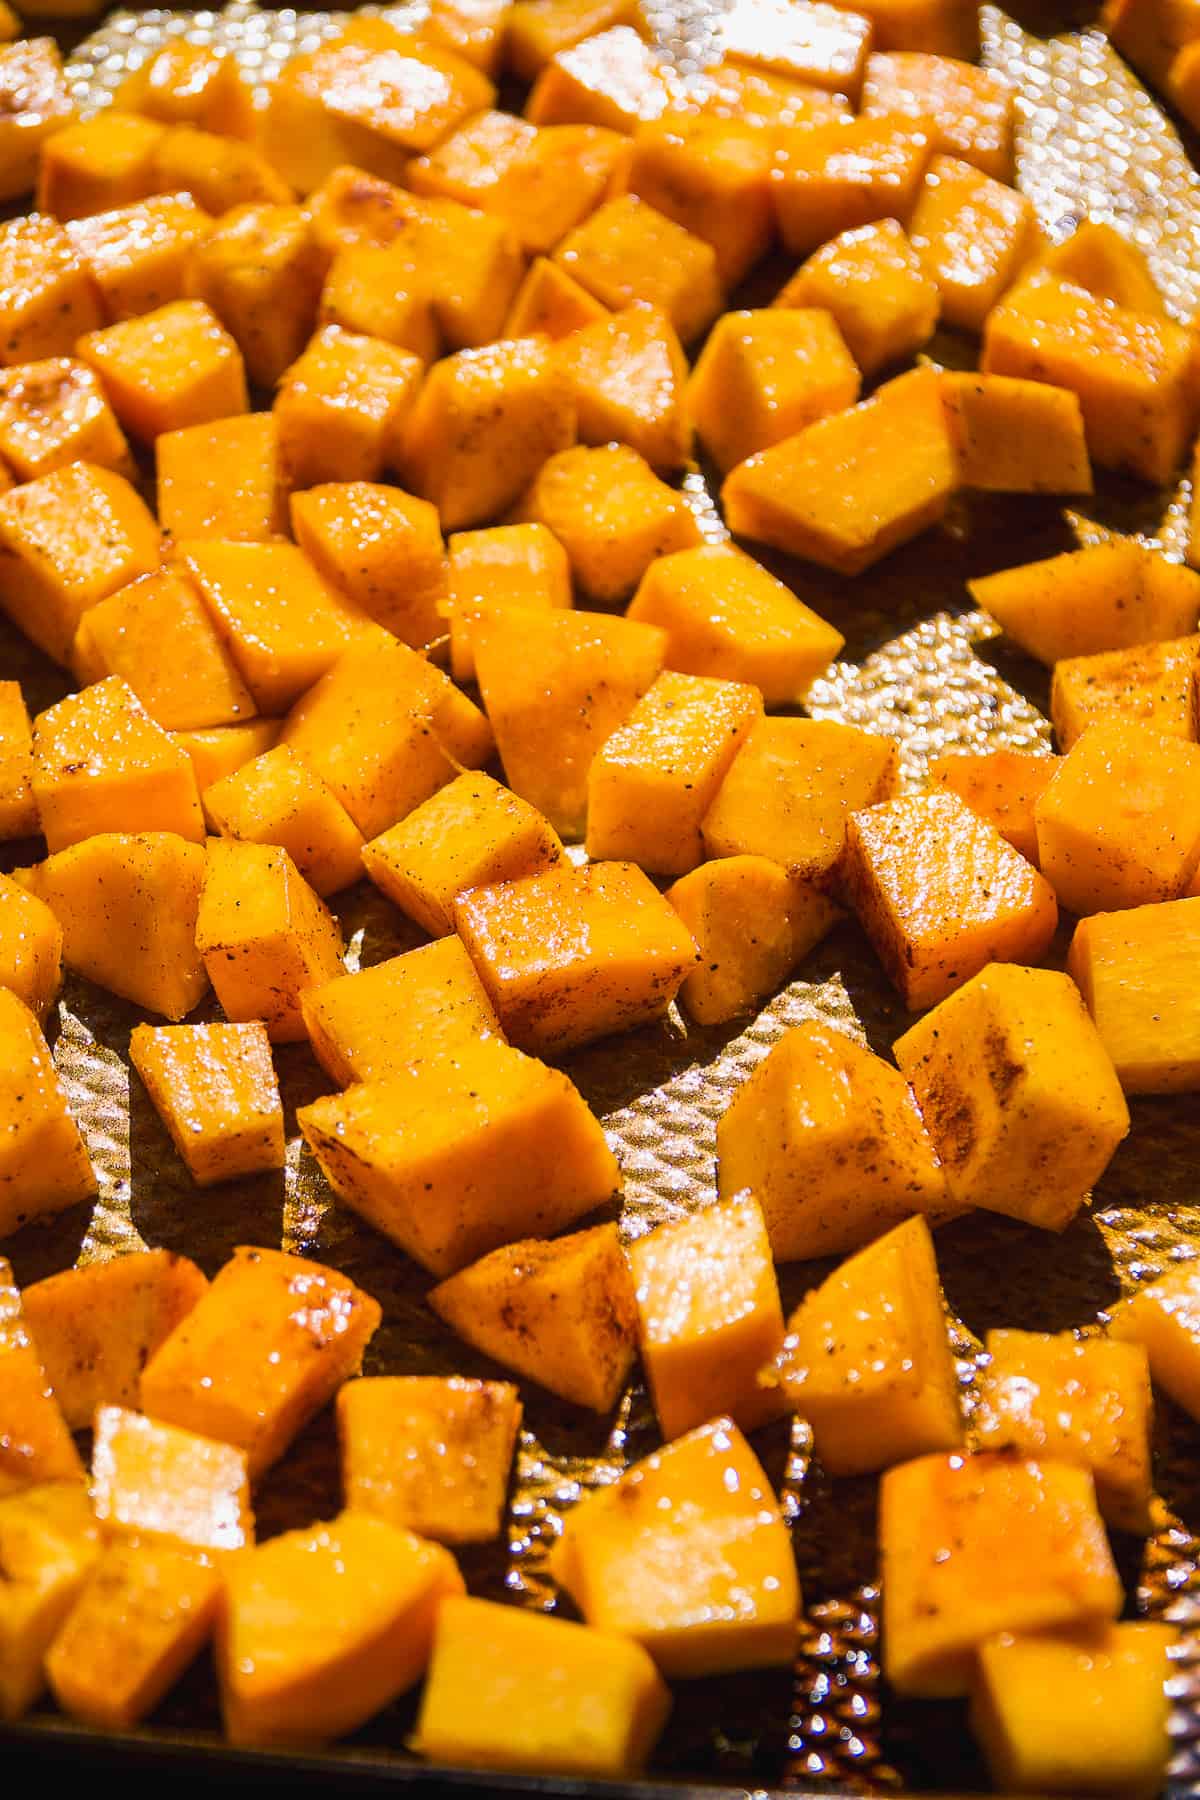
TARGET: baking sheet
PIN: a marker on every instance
(920, 666)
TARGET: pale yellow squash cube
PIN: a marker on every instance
(507, 567)
(30, 948)
(1147, 684)
(1131, 968)
(753, 923)
(822, 44)
(215, 1090)
(155, 1483)
(37, 1445)
(44, 1164)
(174, 367)
(18, 808)
(1108, 596)
(629, 376)
(763, 376)
(382, 548)
(628, 251)
(870, 280)
(277, 799)
(48, 1542)
(223, 480)
(1163, 1317)
(1017, 437)
(612, 515)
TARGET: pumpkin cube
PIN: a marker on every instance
(173, 367)
(429, 1453)
(53, 413)
(48, 1541)
(322, 1628)
(18, 808)
(968, 111)
(190, 84)
(461, 1152)
(560, 1312)
(972, 234)
(34, 104)
(218, 172)
(552, 302)
(261, 274)
(47, 295)
(277, 799)
(222, 480)
(354, 210)
(829, 1139)
(264, 936)
(1097, 257)
(376, 294)
(1029, 1554)
(473, 29)
(712, 176)
(1001, 786)
(939, 27)
(472, 833)
(1161, 1318)
(871, 281)
(127, 905)
(608, 77)
(383, 548)
(37, 1444)
(1131, 968)
(867, 1359)
(824, 45)
(628, 251)
(214, 1088)
(341, 407)
(611, 514)
(941, 894)
(100, 763)
(372, 1024)
(538, 29)
(763, 376)
(756, 97)
(156, 1484)
(30, 948)
(1109, 596)
(686, 1554)
(99, 163)
(1016, 437)
(753, 923)
(470, 266)
(629, 376)
(833, 177)
(226, 748)
(1149, 684)
(508, 568)
(138, 255)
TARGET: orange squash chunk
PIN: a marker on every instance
(609, 77)
(30, 948)
(56, 412)
(18, 808)
(629, 376)
(969, 111)
(47, 294)
(1160, 1318)
(37, 1446)
(763, 376)
(1151, 33)
(261, 273)
(753, 923)
(473, 29)
(830, 178)
(1109, 596)
(972, 234)
(173, 367)
(155, 1483)
(214, 1088)
(1001, 786)
(226, 748)
(756, 97)
(383, 548)
(1148, 684)
(711, 176)
(1099, 258)
(99, 163)
(190, 84)
(470, 265)
(277, 799)
(506, 568)
(1017, 437)
(341, 407)
(628, 251)
(538, 29)
(45, 1166)
(352, 209)
(50, 1541)
(939, 27)
(222, 480)
(552, 302)
(34, 104)
(218, 172)
(612, 515)
(871, 281)
(375, 293)
(138, 255)
(824, 45)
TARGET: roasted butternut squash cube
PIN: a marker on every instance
(100, 763)
(1151, 33)
(536, 30)
(190, 84)
(613, 1705)
(30, 948)
(49, 1540)
(375, 293)
(940, 27)
(96, 1327)
(829, 1139)
(1131, 970)
(1001, 786)
(1131, 370)
(223, 480)
(752, 923)
(429, 1453)
(763, 376)
(322, 1628)
(173, 367)
(18, 808)
(34, 104)
(628, 251)
(127, 904)
(153, 1483)
(612, 515)
(138, 255)
(608, 77)
(651, 784)
(559, 1312)
(968, 111)
(518, 568)
(218, 172)
(53, 413)
(96, 164)
(824, 45)
(226, 748)
(472, 833)
(340, 409)
(277, 799)
(629, 376)
(1097, 257)
(1075, 1712)
(1108, 596)
(556, 685)
(833, 177)
(791, 789)
(711, 176)
(261, 273)
(1017, 437)
(47, 294)
(871, 281)
(37, 1445)
(552, 302)
(940, 894)
(372, 1024)
(1029, 1554)
(846, 490)
(1149, 684)
(867, 1358)
(214, 1088)
(473, 29)
(972, 234)
(383, 548)
(1161, 1318)
(468, 264)
(756, 97)
(461, 1152)
(687, 1554)
(354, 210)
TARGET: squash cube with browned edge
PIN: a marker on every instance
(1016, 437)
(552, 302)
(383, 548)
(96, 1327)
(48, 1542)
(224, 749)
(1001, 786)
(1018, 1094)
(322, 1628)
(155, 1483)
(55, 412)
(1086, 1401)
(261, 273)
(44, 1164)
(218, 172)
(687, 1554)
(972, 234)
(215, 1090)
(940, 894)
(939, 27)
(36, 1445)
(470, 834)
(791, 789)
(609, 77)
(612, 515)
(629, 377)
(1107, 596)
(463, 1150)
(871, 281)
(847, 490)
(30, 948)
(764, 376)
(537, 30)
(518, 568)
(171, 368)
(651, 783)
(352, 209)
(968, 111)
(1147, 684)
(268, 1343)
(34, 104)
(138, 255)
(18, 808)
(264, 936)
(560, 1312)
(833, 177)
(99, 163)
(277, 799)
(629, 251)
(340, 408)
(556, 685)
(127, 904)
(1029, 1554)
(1131, 968)
(1163, 1318)
(709, 1316)
(608, 1707)
(190, 84)
(830, 1141)
(712, 176)
(867, 1358)
(753, 923)
(47, 295)
(223, 480)
(824, 45)
(429, 1453)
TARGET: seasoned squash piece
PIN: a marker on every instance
(277, 799)
(1075, 1401)
(264, 936)
(829, 1139)
(536, 30)
(552, 302)
(1109, 596)
(322, 1628)
(968, 111)
(218, 172)
(607, 1704)
(752, 923)
(833, 177)
(1018, 1093)
(376, 293)
(96, 1327)
(30, 948)
(556, 685)
(472, 833)
(824, 45)
(18, 808)
(1151, 33)
(1163, 1318)
(127, 905)
(226, 748)
(726, 616)
(1131, 968)
(138, 255)
(517, 568)
(611, 514)
(34, 104)
(1001, 786)
(1149, 684)
(429, 1453)
(763, 376)
(940, 894)
(791, 790)
(711, 176)
(155, 1483)
(608, 77)
(214, 1088)
(383, 548)
(651, 784)
(940, 27)
(972, 234)
(867, 1359)
(53, 413)
(261, 273)
(756, 97)
(341, 407)
(628, 251)
(354, 210)
(845, 491)
(190, 84)
(1097, 257)
(372, 1024)
(47, 295)
(101, 764)
(48, 1542)
(99, 163)
(1029, 1554)
(560, 1312)
(469, 264)
(687, 1554)
(145, 1613)
(222, 480)
(1016, 437)
(462, 1152)
(708, 1316)
(173, 367)
(473, 29)
(629, 377)
(871, 281)
(37, 1445)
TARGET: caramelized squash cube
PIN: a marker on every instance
(18, 808)
(508, 568)
(1109, 596)
(1148, 684)
(37, 1445)
(752, 923)
(218, 172)
(552, 302)
(972, 234)
(53, 413)
(537, 30)
(222, 480)
(30, 948)
(629, 251)
(1161, 1318)
(763, 376)
(190, 84)
(277, 799)
(99, 163)
(1017, 437)
(813, 42)
(383, 548)
(1131, 968)
(612, 515)
(608, 77)
(629, 376)
(48, 1543)
(711, 176)
(354, 210)
(214, 1088)
(1001, 786)
(226, 748)
(831, 178)
(341, 407)
(261, 273)
(47, 294)
(153, 1483)
(968, 111)
(34, 104)
(138, 255)
(871, 281)
(173, 367)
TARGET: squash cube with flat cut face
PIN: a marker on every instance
(834, 177)
(215, 1090)
(222, 480)
(261, 273)
(1017, 437)
(1131, 968)
(47, 295)
(156, 1483)
(629, 251)
(552, 302)
(712, 176)
(226, 748)
(1163, 1317)
(609, 77)
(612, 515)
(376, 293)
(341, 407)
(55, 412)
(34, 104)
(824, 45)
(969, 112)
(174, 367)
(1099, 258)
(190, 84)
(383, 548)
(1108, 596)
(99, 163)
(30, 948)
(518, 568)
(972, 234)
(1001, 786)
(871, 281)
(758, 98)
(1151, 33)
(37, 1445)
(218, 172)
(49, 1541)
(18, 808)
(1147, 684)
(629, 377)
(753, 923)
(277, 799)
(538, 29)
(138, 255)
(938, 27)
(763, 376)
